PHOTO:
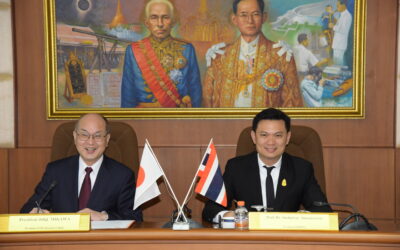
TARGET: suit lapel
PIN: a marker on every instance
(286, 178)
(72, 174)
(255, 179)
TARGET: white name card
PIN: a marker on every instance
(53, 222)
(293, 221)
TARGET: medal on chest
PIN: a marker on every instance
(272, 80)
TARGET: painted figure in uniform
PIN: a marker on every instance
(253, 71)
(160, 71)
(328, 19)
(341, 31)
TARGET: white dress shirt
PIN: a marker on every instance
(304, 58)
(263, 177)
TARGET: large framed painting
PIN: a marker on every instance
(205, 58)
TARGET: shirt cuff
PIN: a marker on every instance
(106, 215)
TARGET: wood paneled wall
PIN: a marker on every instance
(4, 181)
(360, 156)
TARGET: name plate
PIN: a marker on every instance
(293, 221)
(53, 222)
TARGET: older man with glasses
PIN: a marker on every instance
(89, 182)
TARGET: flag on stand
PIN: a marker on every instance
(149, 172)
(211, 183)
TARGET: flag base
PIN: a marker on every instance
(192, 224)
(180, 225)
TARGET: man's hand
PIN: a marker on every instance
(94, 215)
(35, 210)
(213, 51)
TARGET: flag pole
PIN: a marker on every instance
(166, 180)
(180, 210)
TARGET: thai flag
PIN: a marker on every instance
(211, 183)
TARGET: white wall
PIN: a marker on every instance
(7, 121)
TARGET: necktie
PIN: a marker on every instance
(85, 189)
(269, 185)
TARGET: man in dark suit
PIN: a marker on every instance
(269, 176)
(89, 182)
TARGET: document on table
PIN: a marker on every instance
(111, 224)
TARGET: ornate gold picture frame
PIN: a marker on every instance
(101, 57)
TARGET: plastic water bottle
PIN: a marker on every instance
(241, 216)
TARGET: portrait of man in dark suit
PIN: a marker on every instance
(269, 176)
(89, 182)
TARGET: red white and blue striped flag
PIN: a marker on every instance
(211, 183)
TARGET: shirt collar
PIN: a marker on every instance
(95, 167)
(277, 164)
(248, 47)
(302, 46)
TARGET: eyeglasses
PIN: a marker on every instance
(98, 137)
(245, 15)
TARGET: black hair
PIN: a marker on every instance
(271, 114)
(302, 37)
(343, 2)
(316, 72)
(236, 2)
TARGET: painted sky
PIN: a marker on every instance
(103, 11)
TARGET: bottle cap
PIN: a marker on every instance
(240, 203)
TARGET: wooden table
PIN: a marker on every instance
(146, 236)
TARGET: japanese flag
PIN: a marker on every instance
(149, 172)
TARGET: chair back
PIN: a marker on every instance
(122, 147)
(304, 142)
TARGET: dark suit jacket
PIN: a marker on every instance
(242, 183)
(113, 191)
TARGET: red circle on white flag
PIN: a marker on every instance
(140, 178)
